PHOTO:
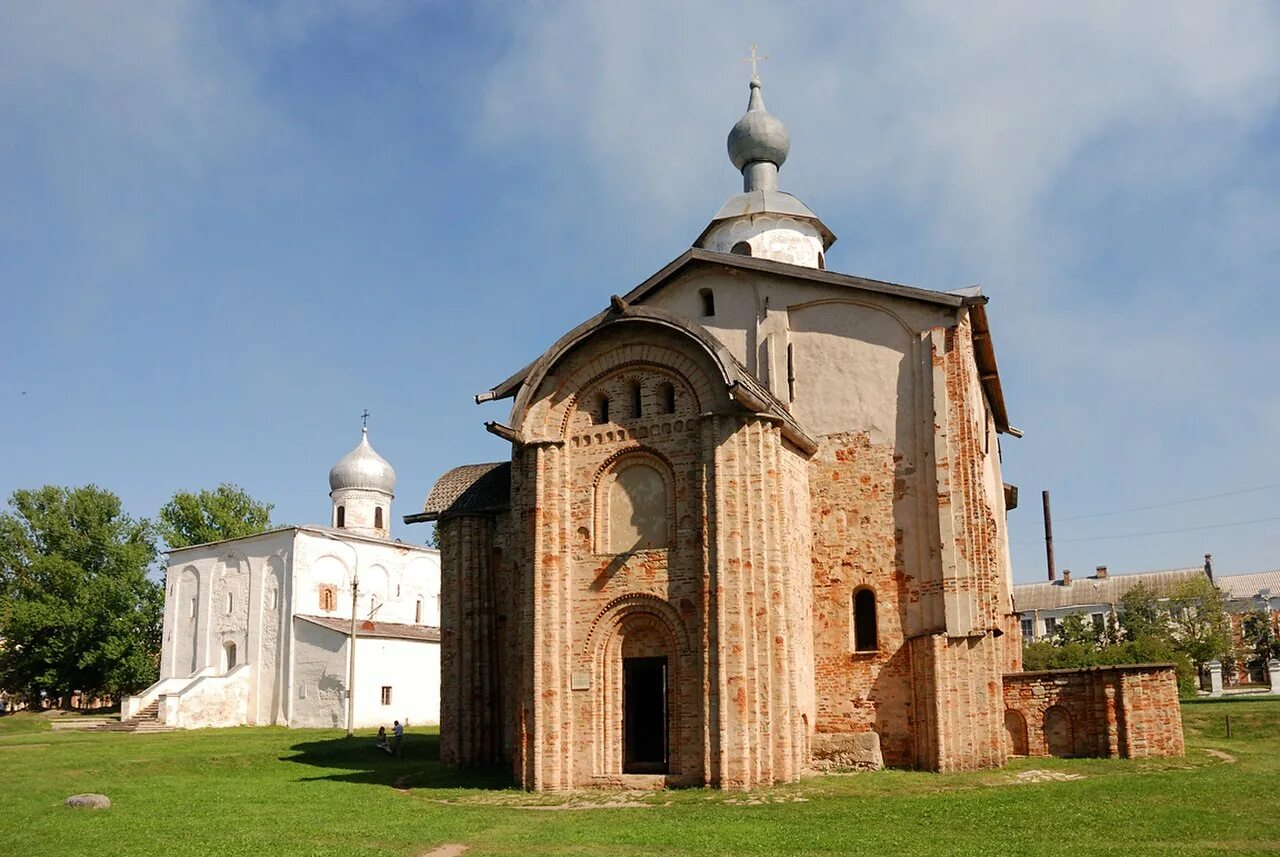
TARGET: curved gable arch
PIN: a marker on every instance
(676, 344)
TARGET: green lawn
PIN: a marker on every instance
(275, 791)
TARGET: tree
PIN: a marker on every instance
(1073, 629)
(1259, 642)
(210, 516)
(1198, 621)
(77, 611)
(1141, 615)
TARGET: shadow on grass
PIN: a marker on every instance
(357, 760)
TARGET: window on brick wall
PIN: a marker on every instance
(386, 694)
(865, 636)
(328, 598)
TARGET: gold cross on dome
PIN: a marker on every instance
(755, 59)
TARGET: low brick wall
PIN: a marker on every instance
(1126, 712)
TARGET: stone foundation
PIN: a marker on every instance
(843, 751)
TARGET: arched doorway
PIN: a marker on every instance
(1057, 732)
(1015, 727)
(645, 710)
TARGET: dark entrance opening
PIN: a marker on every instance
(644, 715)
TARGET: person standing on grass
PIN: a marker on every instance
(399, 733)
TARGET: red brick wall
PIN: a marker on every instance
(1125, 712)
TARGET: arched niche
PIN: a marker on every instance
(1015, 729)
(634, 504)
(1058, 733)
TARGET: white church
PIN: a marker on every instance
(257, 630)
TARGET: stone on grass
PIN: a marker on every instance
(89, 801)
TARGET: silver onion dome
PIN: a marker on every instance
(758, 136)
(363, 468)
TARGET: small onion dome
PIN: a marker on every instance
(363, 468)
(759, 135)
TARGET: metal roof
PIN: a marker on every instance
(1250, 585)
(471, 488)
(697, 257)
(1084, 591)
(370, 628)
(767, 202)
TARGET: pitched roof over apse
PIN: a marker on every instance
(1250, 585)
(369, 628)
(697, 258)
(471, 488)
(1081, 592)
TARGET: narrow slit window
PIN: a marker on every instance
(791, 372)
(341, 517)
(231, 603)
(417, 612)
(669, 398)
(864, 621)
(822, 262)
(386, 694)
(602, 410)
(377, 518)
(708, 303)
(637, 404)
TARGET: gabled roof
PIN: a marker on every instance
(697, 258)
(1085, 591)
(1250, 585)
(469, 489)
(370, 628)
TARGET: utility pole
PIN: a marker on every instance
(1048, 537)
(351, 644)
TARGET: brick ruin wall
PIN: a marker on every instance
(1125, 712)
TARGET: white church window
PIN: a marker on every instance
(742, 248)
(417, 613)
(231, 603)
(377, 518)
(340, 518)
(191, 612)
(229, 656)
(386, 694)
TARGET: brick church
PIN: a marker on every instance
(753, 524)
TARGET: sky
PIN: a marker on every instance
(227, 228)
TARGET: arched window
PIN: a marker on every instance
(417, 613)
(341, 517)
(822, 262)
(228, 656)
(328, 598)
(864, 621)
(601, 412)
(637, 512)
(637, 403)
(668, 394)
(742, 248)
(377, 518)
(708, 302)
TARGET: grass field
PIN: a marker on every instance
(276, 791)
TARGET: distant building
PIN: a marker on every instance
(257, 629)
(1041, 607)
(1251, 597)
